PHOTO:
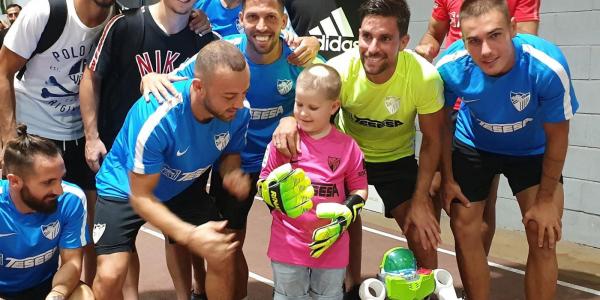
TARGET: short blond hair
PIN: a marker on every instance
(321, 77)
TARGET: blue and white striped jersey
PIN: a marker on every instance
(30, 243)
(167, 139)
(505, 114)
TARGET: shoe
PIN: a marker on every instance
(198, 296)
(352, 294)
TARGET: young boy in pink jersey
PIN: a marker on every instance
(309, 253)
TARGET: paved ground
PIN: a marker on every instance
(579, 276)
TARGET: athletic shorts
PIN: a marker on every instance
(474, 170)
(38, 292)
(78, 172)
(231, 209)
(394, 181)
(116, 224)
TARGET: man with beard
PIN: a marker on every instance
(46, 97)
(271, 97)
(42, 217)
(159, 152)
(110, 86)
(384, 88)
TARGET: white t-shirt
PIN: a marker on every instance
(47, 97)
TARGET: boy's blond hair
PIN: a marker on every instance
(322, 78)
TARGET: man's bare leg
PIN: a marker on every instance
(110, 276)
(470, 253)
(179, 263)
(89, 254)
(542, 266)
(426, 258)
(132, 281)
(488, 226)
(219, 276)
(199, 275)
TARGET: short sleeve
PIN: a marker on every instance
(429, 94)
(23, 36)
(151, 142)
(355, 176)
(74, 232)
(527, 10)
(103, 54)
(440, 10)
(557, 96)
(186, 69)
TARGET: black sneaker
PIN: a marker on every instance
(198, 296)
(352, 294)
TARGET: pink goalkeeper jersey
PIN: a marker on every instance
(447, 10)
(334, 164)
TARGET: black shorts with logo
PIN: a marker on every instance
(474, 170)
(394, 181)
(78, 172)
(116, 224)
(233, 210)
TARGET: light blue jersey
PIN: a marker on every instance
(271, 95)
(30, 243)
(167, 139)
(226, 21)
(505, 114)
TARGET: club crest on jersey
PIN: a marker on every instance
(392, 104)
(520, 100)
(51, 230)
(284, 86)
(98, 232)
(333, 162)
(221, 140)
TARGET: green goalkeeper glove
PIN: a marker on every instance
(342, 215)
(287, 190)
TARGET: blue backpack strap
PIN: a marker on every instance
(52, 31)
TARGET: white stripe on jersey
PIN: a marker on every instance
(451, 57)
(184, 64)
(559, 70)
(147, 128)
(81, 195)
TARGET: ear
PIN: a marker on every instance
(513, 27)
(335, 105)
(404, 41)
(198, 85)
(285, 21)
(14, 181)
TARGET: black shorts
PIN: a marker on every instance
(394, 181)
(474, 170)
(38, 292)
(116, 224)
(233, 210)
(78, 172)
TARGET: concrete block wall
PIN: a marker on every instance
(575, 27)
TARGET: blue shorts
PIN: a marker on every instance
(303, 283)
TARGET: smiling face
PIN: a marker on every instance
(313, 111)
(378, 44)
(263, 21)
(488, 39)
(42, 186)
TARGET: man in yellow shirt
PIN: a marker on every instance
(384, 88)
